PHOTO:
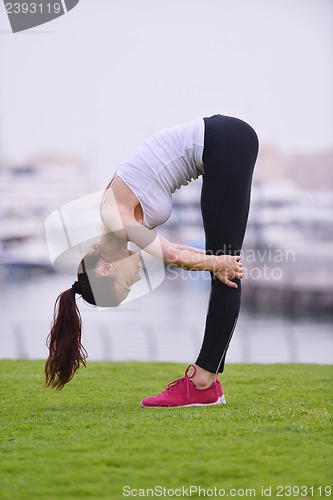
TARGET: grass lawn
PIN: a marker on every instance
(92, 438)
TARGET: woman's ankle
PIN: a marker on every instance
(203, 378)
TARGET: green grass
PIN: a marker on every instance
(92, 438)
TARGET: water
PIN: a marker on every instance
(164, 325)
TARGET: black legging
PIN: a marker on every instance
(230, 152)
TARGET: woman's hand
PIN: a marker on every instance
(227, 267)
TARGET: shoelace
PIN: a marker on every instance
(179, 381)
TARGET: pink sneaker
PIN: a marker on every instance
(183, 392)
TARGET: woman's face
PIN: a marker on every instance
(127, 273)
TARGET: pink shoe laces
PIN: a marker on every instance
(179, 381)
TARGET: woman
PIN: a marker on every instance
(223, 150)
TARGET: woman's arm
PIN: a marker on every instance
(118, 216)
(225, 267)
(185, 247)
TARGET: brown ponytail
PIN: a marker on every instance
(66, 352)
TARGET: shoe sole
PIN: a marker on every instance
(220, 401)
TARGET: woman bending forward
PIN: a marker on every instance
(139, 197)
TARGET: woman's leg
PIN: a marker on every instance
(230, 152)
(231, 148)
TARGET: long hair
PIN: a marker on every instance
(66, 352)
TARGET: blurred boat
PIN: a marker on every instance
(289, 235)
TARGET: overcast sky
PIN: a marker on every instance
(103, 77)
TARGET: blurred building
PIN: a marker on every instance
(309, 171)
(28, 193)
